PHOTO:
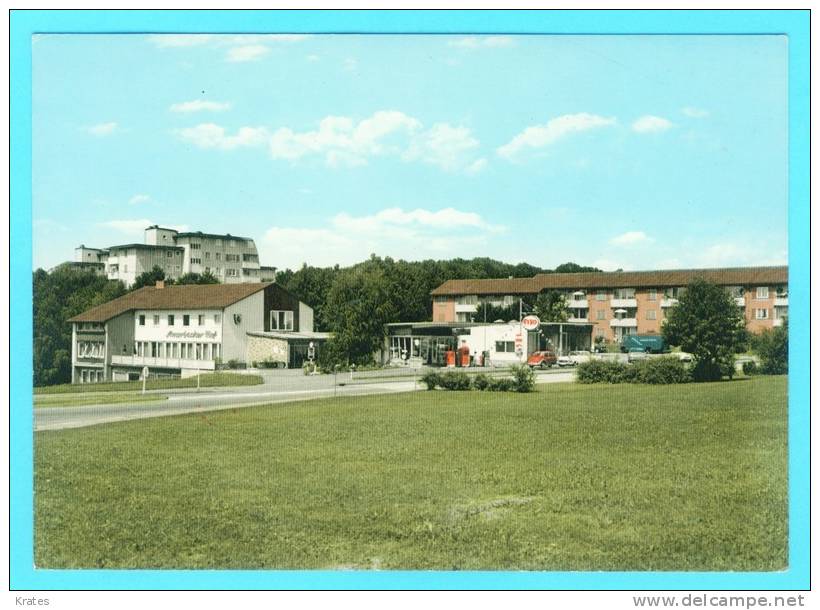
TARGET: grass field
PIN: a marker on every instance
(209, 380)
(78, 400)
(570, 477)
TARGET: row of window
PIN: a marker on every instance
(173, 350)
(761, 292)
(281, 320)
(186, 319)
(91, 376)
(90, 349)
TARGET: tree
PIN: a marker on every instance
(490, 313)
(58, 296)
(358, 306)
(551, 306)
(150, 278)
(773, 348)
(707, 323)
(197, 278)
(575, 268)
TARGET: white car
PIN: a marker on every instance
(683, 356)
(574, 358)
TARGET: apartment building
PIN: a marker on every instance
(230, 258)
(189, 329)
(624, 302)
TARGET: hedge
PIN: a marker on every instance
(522, 380)
(655, 371)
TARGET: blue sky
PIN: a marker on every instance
(633, 152)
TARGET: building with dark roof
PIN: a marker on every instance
(230, 258)
(188, 329)
(623, 302)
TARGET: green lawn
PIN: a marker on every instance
(79, 400)
(206, 381)
(571, 477)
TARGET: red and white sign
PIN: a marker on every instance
(530, 323)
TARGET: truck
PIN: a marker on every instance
(650, 344)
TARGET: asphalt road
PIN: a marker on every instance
(278, 387)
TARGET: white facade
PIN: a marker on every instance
(229, 258)
(506, 343)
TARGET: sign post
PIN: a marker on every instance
(144, 377)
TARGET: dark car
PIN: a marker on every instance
(543, 359)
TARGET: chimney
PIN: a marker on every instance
(160, 284)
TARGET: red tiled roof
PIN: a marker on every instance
(192, 296)
(735, 276)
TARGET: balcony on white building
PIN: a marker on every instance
(625, 303)
(164, 363)
(624, 323)
(740, 301)
(578, 303)
(574, 318)
(777, 322)
(668, 302)
(781, 301)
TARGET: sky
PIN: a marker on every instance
(623, 152)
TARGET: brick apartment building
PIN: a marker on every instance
(624, 302)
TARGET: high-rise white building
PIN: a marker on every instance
(230, 258)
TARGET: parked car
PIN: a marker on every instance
(635, 354)
(565, 361)
(683, 356)
(544, 359)
(580, 356)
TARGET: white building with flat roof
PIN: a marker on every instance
(230, 258)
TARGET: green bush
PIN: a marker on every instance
(523, 378)
(452, 380)
(773, 348)
(600, 371)
(431, 379)
(660, 371)
(502, 384)
(750, 368)
(235, 364)
(481, 382)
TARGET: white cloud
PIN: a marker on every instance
(477, 42)
(650, 124)
(342, 141)
(695, 113)
(129, 227)
(312, 58)
(179, 40)
(443, 145)
(137, 199)
(210, 135)
(605, 264)
(103, 129)
(631, 238)
(410, 234)
(540, 136)
(199, 105)
(252, 52)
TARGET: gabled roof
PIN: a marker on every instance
(192, 296)
(734, 276)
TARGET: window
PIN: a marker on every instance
(207, 255)
(177, 252)
(762, 293)
(207, 269)
(186, 320)
(200, 319)
(600, 314)
(219, 256)
(169, 254)
(781, 292)
(281, 320)
(468, 299)
(196, 261)
(196, 246)
(653, 294)
(600, 295)
(624, 293)
(651, 314)
(761, 314)
(142, 320)
(156, 320)
(231, 258)
(231, 272)
(217, 318)
(170, 319)
(507, 347)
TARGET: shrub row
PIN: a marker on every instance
(652, 371)
(522, 380)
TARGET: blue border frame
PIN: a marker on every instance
(794, 24)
